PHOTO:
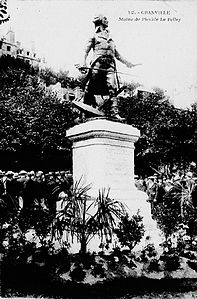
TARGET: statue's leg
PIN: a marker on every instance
(111, 83)
(89, 98)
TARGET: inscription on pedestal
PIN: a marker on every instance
(103, 154)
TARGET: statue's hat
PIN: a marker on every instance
(100, 19)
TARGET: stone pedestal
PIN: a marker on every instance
(103, 156)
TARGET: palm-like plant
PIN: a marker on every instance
(84, 217)
(109, 211)
(182, 192)
(71, 219)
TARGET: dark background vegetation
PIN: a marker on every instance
(33, 122)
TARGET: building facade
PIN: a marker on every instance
(9, 46)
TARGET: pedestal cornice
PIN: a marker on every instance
(102, 128)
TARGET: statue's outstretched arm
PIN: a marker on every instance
(121, 59)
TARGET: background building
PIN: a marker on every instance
(9, 46)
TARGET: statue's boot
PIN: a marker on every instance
(115, 110)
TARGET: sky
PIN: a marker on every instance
(164, 42)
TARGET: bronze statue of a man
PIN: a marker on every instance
(102, 76)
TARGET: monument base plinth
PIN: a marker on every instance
(103, 156)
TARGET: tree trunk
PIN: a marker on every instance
(83, 233)
(83, 244)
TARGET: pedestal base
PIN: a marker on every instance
(103, 156)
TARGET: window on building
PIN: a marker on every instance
(8, 48)
(34, 55)
(27, 53)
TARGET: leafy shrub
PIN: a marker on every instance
(172, 262)
(130, 230)
(78, 274)
(65, 266)
(86, 259)
(62, 260)
(120, 256)
(154, 265)
(148, 252)
(98, 270)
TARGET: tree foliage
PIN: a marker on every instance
(177, 208)
(165, 131)
(49, 76)
(33, 122)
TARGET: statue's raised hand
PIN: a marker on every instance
(130, 65)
